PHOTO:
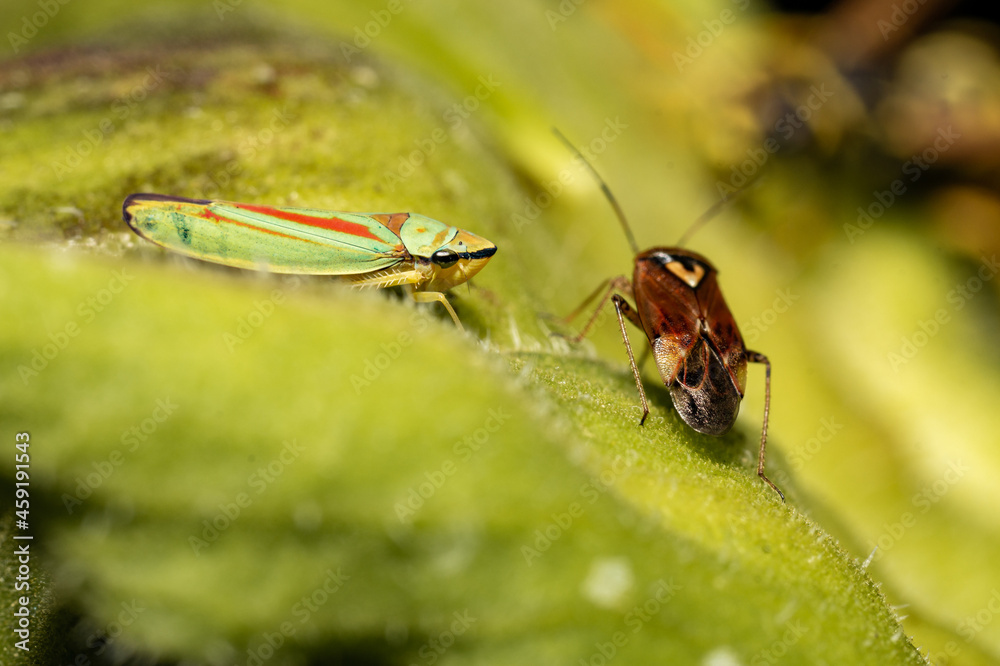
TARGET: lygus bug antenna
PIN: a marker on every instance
(702, 219)
(604, 188)
(714, 210)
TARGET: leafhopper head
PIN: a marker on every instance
(446, 256)
(458, 260)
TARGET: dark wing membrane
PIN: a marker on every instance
(723, 332)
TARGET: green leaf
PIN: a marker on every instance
(211, 491)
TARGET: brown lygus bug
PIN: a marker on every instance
(695, 341)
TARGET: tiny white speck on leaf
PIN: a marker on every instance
(721, 656)
(609, 579)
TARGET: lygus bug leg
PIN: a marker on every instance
(645, 357)
(757, 357)
(624, 311)
(619, 283)
(568, 319)
(623, 308)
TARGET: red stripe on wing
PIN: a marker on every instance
(331, 223)
(211, 215)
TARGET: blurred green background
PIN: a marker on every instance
(234, 469)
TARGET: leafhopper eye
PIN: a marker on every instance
(445, 258)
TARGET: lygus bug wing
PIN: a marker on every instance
(704, 393)
(696, 343)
